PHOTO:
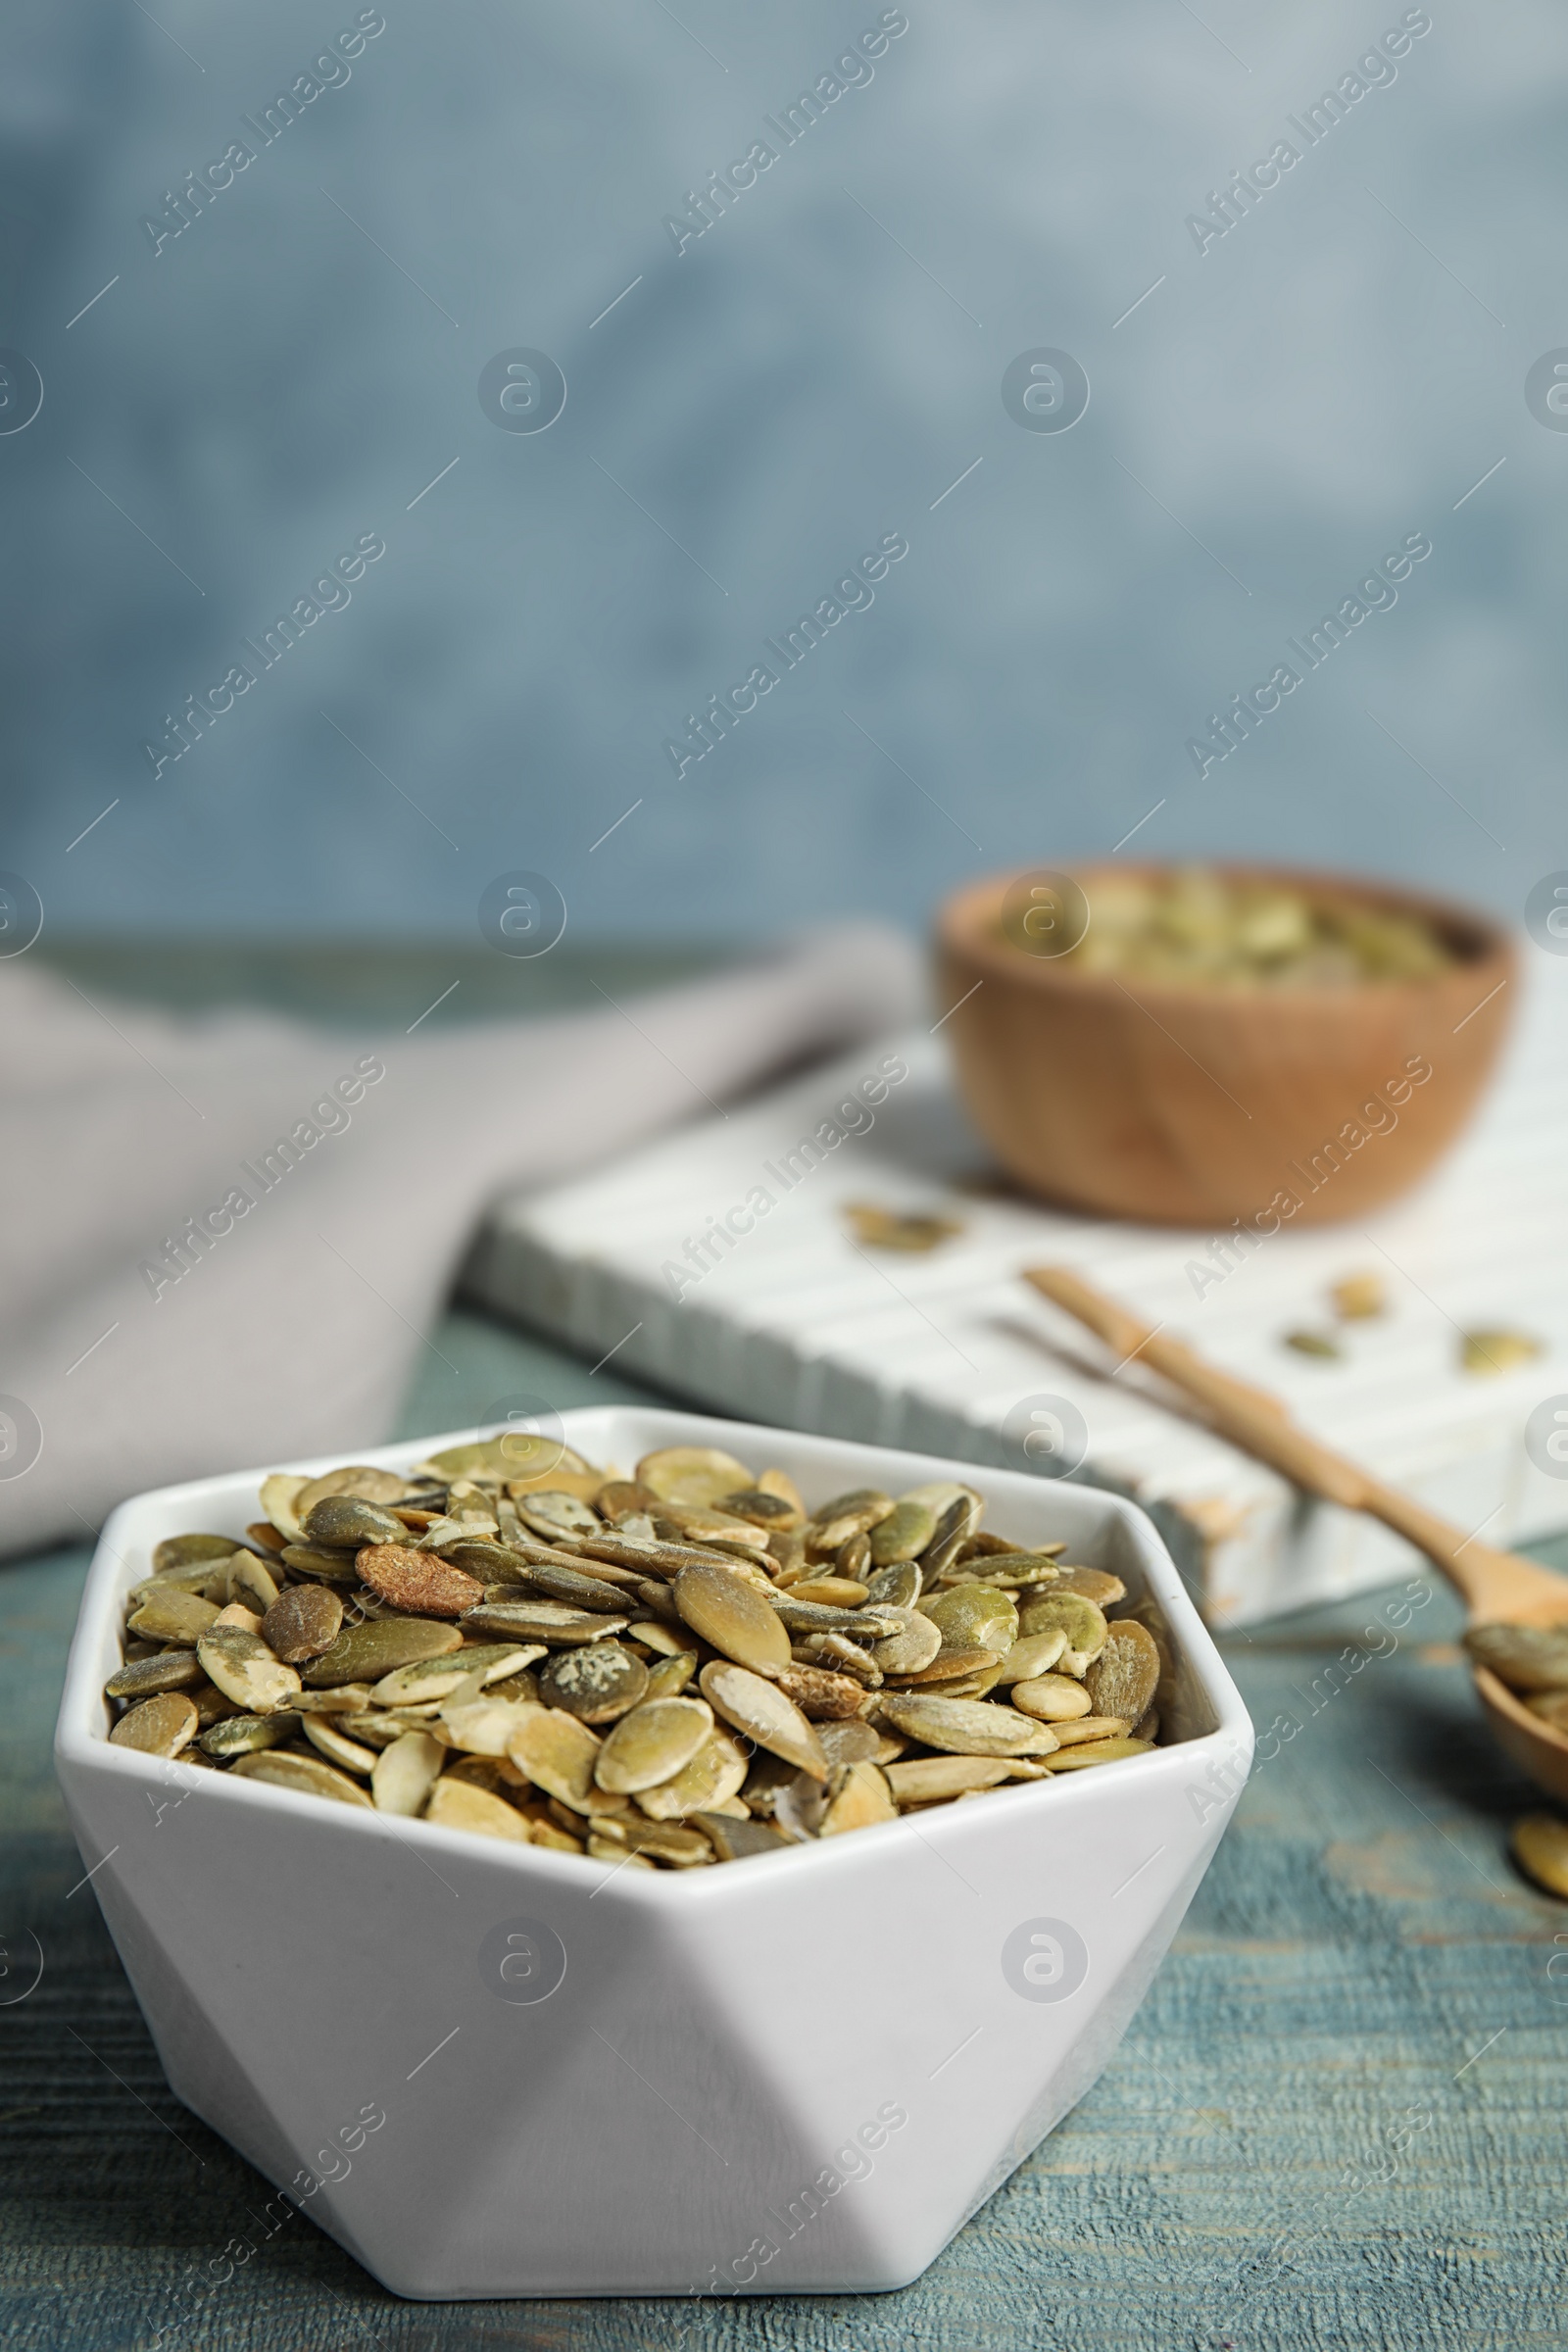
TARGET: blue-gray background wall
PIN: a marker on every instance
(1331, 375)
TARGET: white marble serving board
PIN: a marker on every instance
(797, 1325)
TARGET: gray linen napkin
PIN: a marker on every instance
(221, 1239)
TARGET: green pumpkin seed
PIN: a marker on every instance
(377, 1728)
(305, 1776)
(346, 1523)
(903, 1535)
(1097, 1752)
(250, 1583)
(303, 1622)
(435, 1679)
(714, 1775)
(974, 1617)
(1095, 1584)
(556, 1753)
(359, 1481)
(597, 1682)
(363, 1653)
(164, 1670)
(187, 1551)
(732, 1615)
(1068, 1612)
(914, 1649)
(967, 1727)
(336, 1746)
(760, 1711)
(852, 1514)
(1540, 1844)
(1032, 1654)
(858, 1797)
(736, 1840)
(322, 1567)
(245, 1670)
(668, 1676)
(894, 1588)
(540, 1621)
(651, 1744)
(934, 1779)
(454, 1804)
(178, 1617)
(578, 1592)
(405, 1773)
(278, 1495)
(157, 1727)
(1123, 1679)
(1050, 1697)
(247, 1735)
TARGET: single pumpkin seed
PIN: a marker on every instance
(159, 1727)
(540, 1621)
(1034, 1654)
(418, 1580)
(164, 1670)
(360, 1480)
(760, 1711)
(933, 1779)
(651, 1744)
(1092, 1727)
(321, 1566)
(667, 1677)
(857, 1798)
(552, 1511)
(559, 1753)
(848, 1741)
(713, 1775)
(903, 1534)
(307, 1775)
(246, 1735)
(695, 1474)
(245, 1670)
(188, 1552)
(771, 1513)
(1070, 1758)
(735, 1840)
(1123, 1679)
(437, 1678)
(1092, 1584)
(821, 1695)
(1083, 1624)
(597, 1682)
(1539, 1843)
(278, 1495)
(363, 1653)
(454, 1804)
(405, 1773)
(833, 1591)
(964, 1727)
(894, 1588)
(178, 1617)
(345, 1522)
(303, 1622)
(577, 1590)
(1050, 1697)
(727, 1612)
(337, 1747)
(847, 1515)
(250, 1583)
(974, 1617)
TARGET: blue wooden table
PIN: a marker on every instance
(1338, 2120)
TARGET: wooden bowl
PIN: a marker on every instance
(1182, 1103)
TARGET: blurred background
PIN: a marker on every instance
(228, 408)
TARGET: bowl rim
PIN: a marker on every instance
(963, 928)
(82, 1748)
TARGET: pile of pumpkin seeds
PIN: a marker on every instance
(681, 1667)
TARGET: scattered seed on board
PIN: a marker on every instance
(685, 1665)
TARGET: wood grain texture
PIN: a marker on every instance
(1336, 2120)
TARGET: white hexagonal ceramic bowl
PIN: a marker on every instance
(800, 2073)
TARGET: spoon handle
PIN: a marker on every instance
(1494, 1584)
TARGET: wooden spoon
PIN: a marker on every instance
(1498, 1587)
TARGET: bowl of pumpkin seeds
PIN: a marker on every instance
(392, 1702)
(1205, 1044)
